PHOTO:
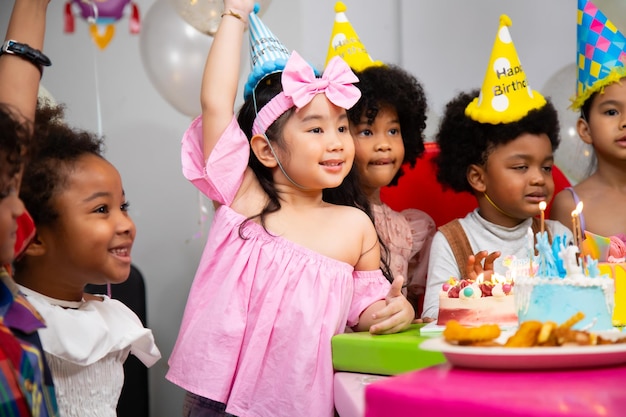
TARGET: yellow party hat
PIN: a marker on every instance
(505, 96)
(344, 42)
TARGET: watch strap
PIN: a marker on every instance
(26, 52)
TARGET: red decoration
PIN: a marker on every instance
(418, 188)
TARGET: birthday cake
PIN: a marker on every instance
(564, 284)
(476, 302)
(610, 252)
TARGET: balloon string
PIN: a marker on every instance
(203, 216)
(99, 116)
(97, 85)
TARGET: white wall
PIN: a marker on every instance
(445, 43)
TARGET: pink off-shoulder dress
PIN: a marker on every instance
(261, 311)
(407, 235)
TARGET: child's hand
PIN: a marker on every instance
(476, 267)
(424, 320)
(397, 315)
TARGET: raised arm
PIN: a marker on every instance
(221, 72)
(19, 77)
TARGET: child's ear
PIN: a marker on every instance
(262, 150)
(476, 178)
(36, 247)
(583, 130)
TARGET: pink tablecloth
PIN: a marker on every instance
(444, 390)
(350, 392)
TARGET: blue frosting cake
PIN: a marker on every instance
(563, 285)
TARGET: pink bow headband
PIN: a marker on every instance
(300, 86)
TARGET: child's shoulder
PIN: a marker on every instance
(350, 214)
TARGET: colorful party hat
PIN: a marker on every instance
(345, 43)
(600, 56)
(267, 54)
(505, 96)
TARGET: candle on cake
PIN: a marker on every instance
(542, 208)
(576, 230)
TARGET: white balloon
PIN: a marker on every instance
(44, 95)
(205, 15)
(574, 157)
(173, 54)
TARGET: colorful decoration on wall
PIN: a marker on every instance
(101, 15)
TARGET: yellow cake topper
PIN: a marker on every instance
(505, 96)
(344, 42)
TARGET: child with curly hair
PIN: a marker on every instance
(387, 125)
(84, 235)
(498, 144)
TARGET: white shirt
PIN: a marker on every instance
(86, 344)
(512, 242)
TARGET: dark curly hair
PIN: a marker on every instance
(15, 138)
(390, 85)
(54, 153)
(463, 141)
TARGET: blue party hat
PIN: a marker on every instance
(600, 56)
(267, 54)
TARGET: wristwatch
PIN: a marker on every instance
(23, 50)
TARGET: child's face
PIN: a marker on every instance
(319, 151)
(605, 128)
(93, 236)
(516, 177)
(11, 207)
(379, 150)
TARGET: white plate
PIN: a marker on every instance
(528, 358)
(434, 328)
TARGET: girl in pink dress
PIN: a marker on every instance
(282, 271)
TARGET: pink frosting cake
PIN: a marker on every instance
(473, 303)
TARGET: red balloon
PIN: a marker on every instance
(418, 188)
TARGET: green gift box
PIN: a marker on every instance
(388, 354)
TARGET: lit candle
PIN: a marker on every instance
(531, 251)
(542, 208)
(576, 229)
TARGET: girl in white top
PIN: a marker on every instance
(84, 236)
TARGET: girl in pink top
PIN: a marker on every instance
(282, 271)
(387, 125)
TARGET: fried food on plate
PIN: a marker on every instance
(459, 334)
